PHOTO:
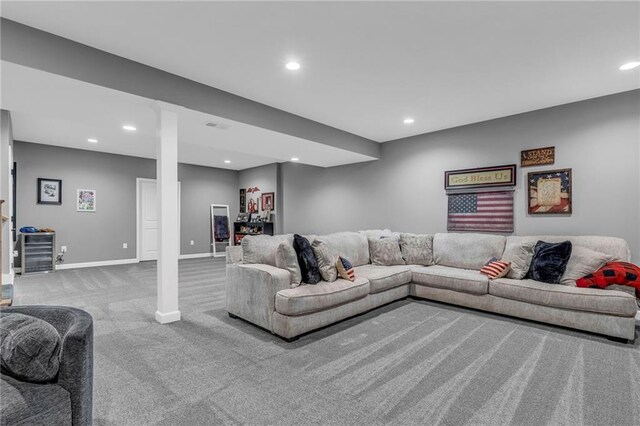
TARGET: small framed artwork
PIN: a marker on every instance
(549, 192)
(266, 216)
(268, 200)
(243, 217)
(243, 200)
(49, 191)
(86, 200)
(255, 217)
(538, 156)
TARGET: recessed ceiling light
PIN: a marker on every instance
(129, 128)
(227, 161)
(293, 66)
(629, 66)
(92, 140)
(408, 120)
(295, 159)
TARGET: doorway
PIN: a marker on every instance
(147, 219)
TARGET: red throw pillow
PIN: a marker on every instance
(623, 273)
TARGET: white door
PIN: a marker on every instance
(148, 219)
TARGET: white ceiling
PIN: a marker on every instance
(54, 110)
(367, 65)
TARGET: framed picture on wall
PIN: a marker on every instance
(268, 201)
(86, 200)
(549, 192)
(243, 200)
(49, 191)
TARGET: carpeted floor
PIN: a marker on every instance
(410, 362)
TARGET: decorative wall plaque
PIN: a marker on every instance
(538, 156)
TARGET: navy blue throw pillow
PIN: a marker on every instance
(549, 261)
(306, 260)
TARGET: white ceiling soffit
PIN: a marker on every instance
(54, 110)
(368, 65)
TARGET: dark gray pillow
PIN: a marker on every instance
(549, 261)
(29, 348)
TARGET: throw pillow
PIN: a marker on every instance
(583, 261)
(29, 348)
(326, 256)
(385, 252)
(623, 273)
(549, 261)
(519, 255)
(345, 269)
(417, 249)
(496, 269)
(306, 260)
(286, 258)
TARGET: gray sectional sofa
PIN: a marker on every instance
(261, 292)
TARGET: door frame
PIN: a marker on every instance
(139, 182)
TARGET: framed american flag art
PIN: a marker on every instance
(481, 211)
(549, 192)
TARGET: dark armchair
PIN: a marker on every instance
(70, 394)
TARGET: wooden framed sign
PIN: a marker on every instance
(480, 178)
(538, 156)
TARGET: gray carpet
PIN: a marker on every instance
(410, 362)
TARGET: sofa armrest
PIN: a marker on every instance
(75, 327)
(251, 291)
(234, 254)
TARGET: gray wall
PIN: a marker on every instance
(200, 187)
(99, 236)
(6, 164)
(598, 139)
(264, 177)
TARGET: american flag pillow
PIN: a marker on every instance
(345, 269)
(496, 269)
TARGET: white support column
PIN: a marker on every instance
(167, 184)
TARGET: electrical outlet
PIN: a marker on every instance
(125, 245)
(63, 249)
(191, 242)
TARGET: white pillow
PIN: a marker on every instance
(583, 261)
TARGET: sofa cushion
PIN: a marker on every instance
(565, 297)
(385, 251)
(466, 251)
(384, 277)
(306, 260)
(377, 233)
(262, 248)
(549, 261)
(616, 247)
(286, 258)
(417, 249)
(519, 255)
(326, 256)
(29, 348)
(462, 280)
(307, 299)
(25, 403)
(583, 261)
(352, 245)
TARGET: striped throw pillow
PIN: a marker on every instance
(496, 269)
(345, 269)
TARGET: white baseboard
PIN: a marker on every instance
(195, 256)
(164, 318)
(94, 264)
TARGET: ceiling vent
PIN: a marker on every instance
(215, 125)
